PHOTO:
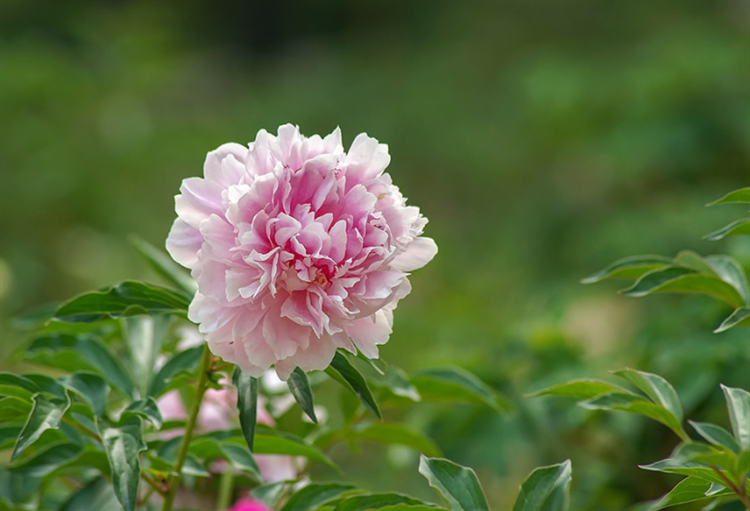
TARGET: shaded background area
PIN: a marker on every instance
(543, 139)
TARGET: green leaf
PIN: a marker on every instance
(14, 409)
(247, 404)
(381, 501)
(48, 460)
(693, 261)
(97, 495)
(736, 228)
(690, 489)
(730, 271)
(458, 485)
(313, 495)
(687, 468)
(676, 279)
(45, 414)
(163, 265)
(80, 352)
(736, 197)
(629, 268)
(146, 408)
(655, 387)
(716, 435)
(8, 434)
(397, 382)
(123, 445)
(144, 335)
(740, 317)
(738, 405)
(124, 299)
(48, 385)
(546, 489)
(580, 389)
(268, 441)
(91, 388)
(634, 404)
(455, 384)
(269, 494)
(354, 381)
(300, 389)
(393, 433)
(237, 455)
(185, 361)
(17, 386)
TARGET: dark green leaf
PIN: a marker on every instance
(162, 264)
(458, 485)
(580, 389)
(730, 271)
(123, 445)
(694, 261)
(147, 409)
(738, 227)
(634, 404)
(17, 386)
(629, 268)
(683, 280)
(45, 414)
(455, 384)
(185, 361)
(48, 385)
(354, 381)
(48, 460)
(392, 433)
(380, 501)
(313, 495)
(91, 387)
(8, 434)
(144, 335)
(546, 489)
(738, 196)
(247, 403)
(656, 388)
(300, 389)
(716, 435)
(738, 405)
(97, 495)
(80, 352)
(125, 299)
(740, 317)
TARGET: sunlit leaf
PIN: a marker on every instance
(690, 489)
(738, 405)
(655, 387)
(740, 317)
(731, 272)
(123, 445)
(629, 268)
(458, 485)
(738, 196)
(581, 389)
(45, 414)
(684, 280)
(546, 489)
(736, 228)
(716, 435)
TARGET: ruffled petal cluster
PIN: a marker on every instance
(298, 247)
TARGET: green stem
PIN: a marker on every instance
(226, 488)
(174, 479)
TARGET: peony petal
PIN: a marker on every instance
(417, 254)
(183, 243)
(368, 332)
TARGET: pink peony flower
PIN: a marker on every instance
(298, 247)
(245, 504)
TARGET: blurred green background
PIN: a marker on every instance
(543, 139)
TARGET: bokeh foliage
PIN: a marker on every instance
(543, 139)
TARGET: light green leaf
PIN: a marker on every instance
(162, 264)
(730, 271)
(237, 455)
(455, 384)
(185, 361)
(45, 414)
(687, 468)
(300, 389)
(125, 299)
(683, 280)
(458, 485)
(716, 435)
(314, 495)
(247, 403)
(48, 460)
(694, 261)
(353, 380)
(97, 495)
(581, 389)
(736, 197)
(268, 441)
(655, 387)
(123, 445)
(17, 386)
(86, 352)
(738, 405)
(144, 336)
(147, 409)
(740, 317)
(91, 387)
(269, 494)
(397, 382)
(690, 489)
(634, 404)
(14, 409)
(736, 228)
(393, 433)
(380, 501)
(629, 268)
(546, 489)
